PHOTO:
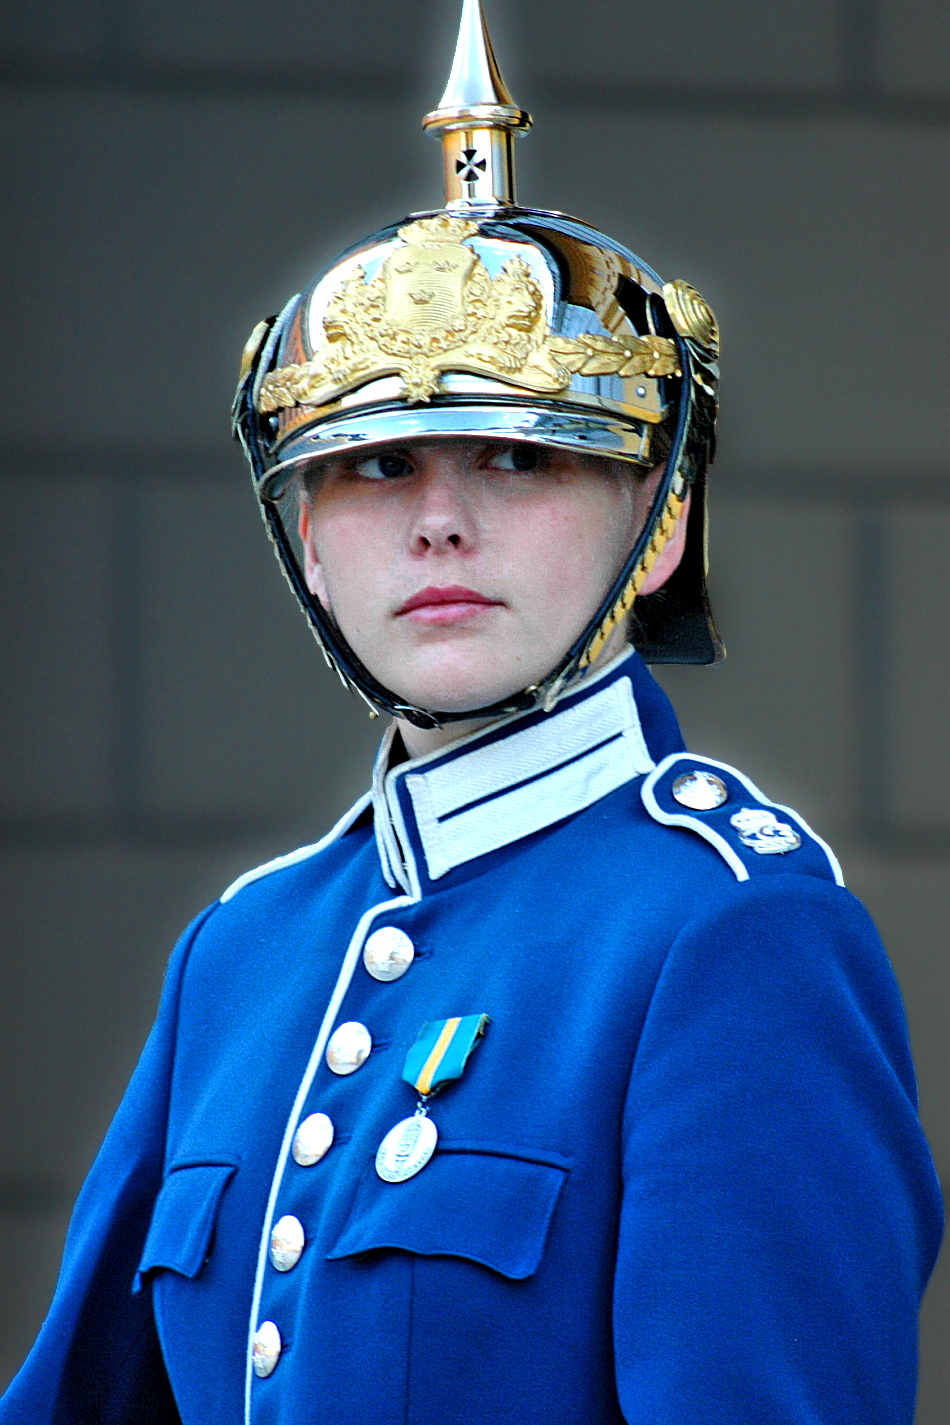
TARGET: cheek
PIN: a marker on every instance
(344, 544)
(624, 518)
(580, 547)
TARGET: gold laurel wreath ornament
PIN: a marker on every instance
(433, 308)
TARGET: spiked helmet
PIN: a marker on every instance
(488, 320)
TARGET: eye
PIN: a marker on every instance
(517, 457)
(386, 466)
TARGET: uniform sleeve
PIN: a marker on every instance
(97, 1359)
(781, 1212)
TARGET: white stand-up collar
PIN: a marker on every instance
(516, 777)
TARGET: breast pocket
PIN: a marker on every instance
(485, 1203)
(182, 1228)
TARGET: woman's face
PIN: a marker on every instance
(461, 571)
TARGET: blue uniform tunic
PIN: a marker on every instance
(681, 1181)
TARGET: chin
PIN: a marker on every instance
(455, 690)
(440, 700)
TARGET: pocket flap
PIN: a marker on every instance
(490, 1207)
(183, 1219)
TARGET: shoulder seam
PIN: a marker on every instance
(303, 853)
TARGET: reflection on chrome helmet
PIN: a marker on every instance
(484, 319)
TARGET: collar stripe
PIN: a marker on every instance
(526, 782)
(493, 795)
(498, 765)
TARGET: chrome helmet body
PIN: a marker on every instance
(488, 320)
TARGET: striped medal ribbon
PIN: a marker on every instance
(437, 1058)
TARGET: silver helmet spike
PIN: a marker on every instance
(475, 78)
(477, 120)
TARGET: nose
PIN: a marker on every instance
(442, 519)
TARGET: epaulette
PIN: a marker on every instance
(751, 834)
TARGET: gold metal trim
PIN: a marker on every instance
(665, 526)
(691, 314)
(251, 347)
(432, 308)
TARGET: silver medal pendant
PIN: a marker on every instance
(406, 1148)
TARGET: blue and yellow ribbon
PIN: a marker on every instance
(441, 1051)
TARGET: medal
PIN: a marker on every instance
(407, 1148)
(437, 1058)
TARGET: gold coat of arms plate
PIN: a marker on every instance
(432, 308)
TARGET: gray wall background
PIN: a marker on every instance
(171, 174)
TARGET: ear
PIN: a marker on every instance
(312, 568)
(668, 559)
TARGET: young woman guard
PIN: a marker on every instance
(563, 1080)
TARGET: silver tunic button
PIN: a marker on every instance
(388, 953)
(286, 1243)
(312, 1139)
(265, 1350)
(700, 791)
(349, 1047)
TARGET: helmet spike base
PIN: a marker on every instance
(477, 121)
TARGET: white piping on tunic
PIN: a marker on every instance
(703, 828)
(350, 960)
(302, 854)
(387, 845)
(484, 801)
(487, 796)
(401, 836)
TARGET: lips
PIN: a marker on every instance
(438, 596)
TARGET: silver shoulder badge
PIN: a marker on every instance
(763, 832)
(719, 804)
